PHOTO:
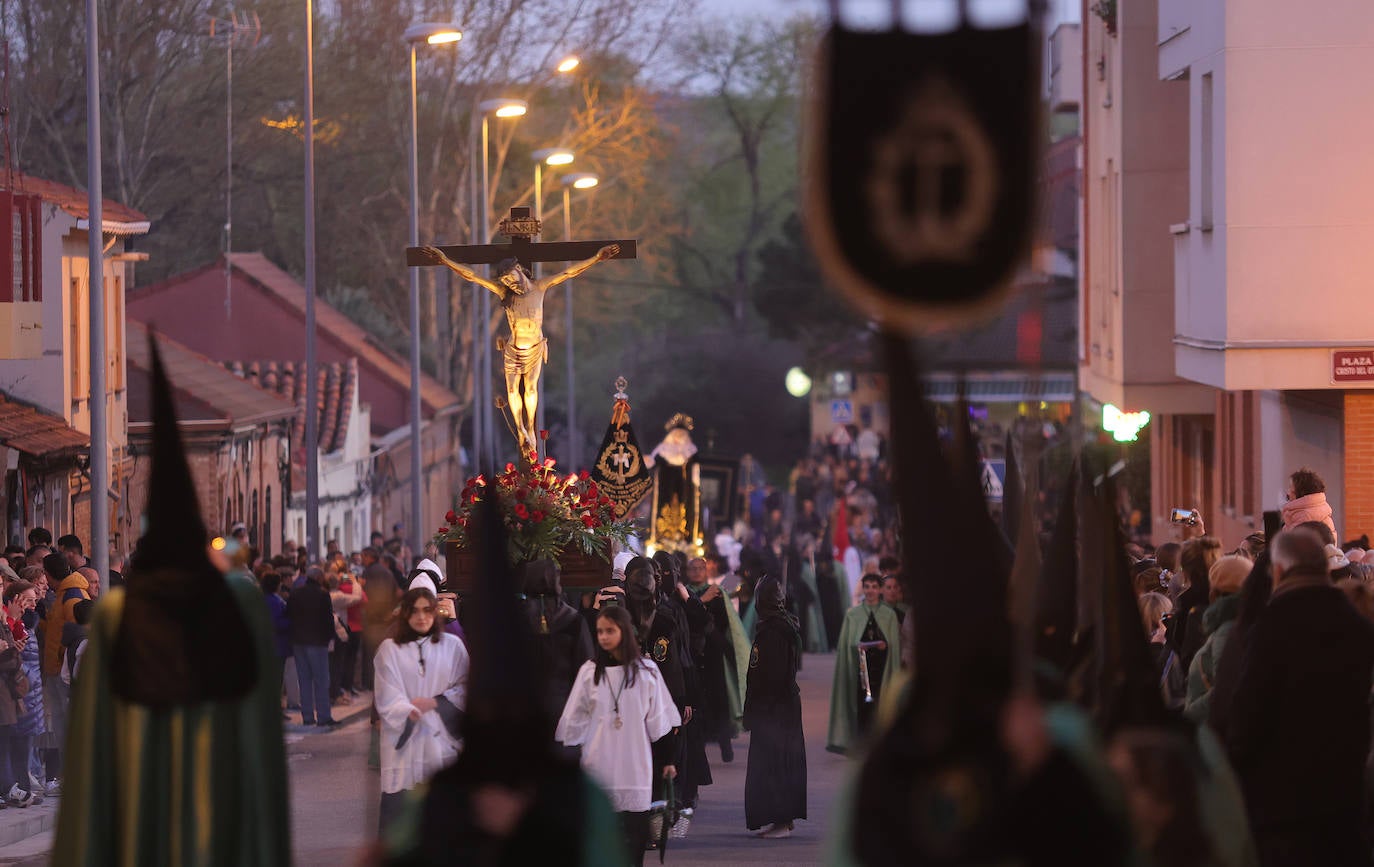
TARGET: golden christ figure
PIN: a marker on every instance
(525, 352)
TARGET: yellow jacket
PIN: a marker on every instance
(72, 590)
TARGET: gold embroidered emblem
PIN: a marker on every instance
(672, 520)
(661, 650)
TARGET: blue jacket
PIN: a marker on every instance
(281, 626)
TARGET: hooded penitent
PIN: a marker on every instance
(641, 592)
(933, 781)
(176, 717)
(508, 747)
(1056, 597)
(181, 638)
(1127, 679)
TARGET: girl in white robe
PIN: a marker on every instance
(623, 717)
(421, 683)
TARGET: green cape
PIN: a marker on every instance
(814, 639)
(197, 786)
(844, 701)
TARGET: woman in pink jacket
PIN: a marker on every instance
(1306, 501)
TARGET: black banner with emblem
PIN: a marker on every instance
(619, 468)
(921, 169)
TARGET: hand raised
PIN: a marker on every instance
(433, 255)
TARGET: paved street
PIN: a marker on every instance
(335, 797)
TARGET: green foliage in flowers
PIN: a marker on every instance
(545, 513)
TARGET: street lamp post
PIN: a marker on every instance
(578, 181)
(312, 421)
(95, 282)
(432, 34)
(507, 108)
(551, 157)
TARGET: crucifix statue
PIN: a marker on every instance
(522, 296)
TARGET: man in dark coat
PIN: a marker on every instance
(775, 782)
(311, 616)
(1299, 721)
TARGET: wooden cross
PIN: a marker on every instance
(520, 227)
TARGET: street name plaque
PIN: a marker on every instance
(1352, 365)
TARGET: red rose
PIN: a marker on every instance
(605, 501)
(481, 482)
(462, 521)
(589, 522)
(521, 512)
(543, 434)
(584, 475)
(450, 517)
(443, 530)
(548, 463)
(538, 515)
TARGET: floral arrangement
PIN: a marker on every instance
(544, 512)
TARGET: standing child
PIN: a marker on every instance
(621, 714)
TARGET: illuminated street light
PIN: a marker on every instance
(574, 181)
(554, 156)
(798, 384)
(569, 63)
(416, 34)
(432, 33)
(550, 157)
(484, 433)
(581, 180)
(504, 107)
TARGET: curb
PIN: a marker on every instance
(20, 823)
(293, 726)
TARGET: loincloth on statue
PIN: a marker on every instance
(524, 362)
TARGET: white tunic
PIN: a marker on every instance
(619, 759)
(398, 679)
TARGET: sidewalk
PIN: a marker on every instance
(20, 825)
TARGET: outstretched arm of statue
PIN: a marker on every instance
(610, 251)
(437, 257)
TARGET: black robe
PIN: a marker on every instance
(692, 768)
(775, 782)
(559, 651)
(716, 651)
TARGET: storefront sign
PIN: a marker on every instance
(1352, 365)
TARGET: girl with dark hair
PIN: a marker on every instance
(421, 678)
(621, 714)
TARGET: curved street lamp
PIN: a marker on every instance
(573, 181)
(415, 35)
(484, 419)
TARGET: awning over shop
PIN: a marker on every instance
(1008, 387)
(37, 433)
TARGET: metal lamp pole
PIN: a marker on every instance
(433, 34)
(550, 157)
(508, 108)
(100, 434)
(312, 434)
(580, 181)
